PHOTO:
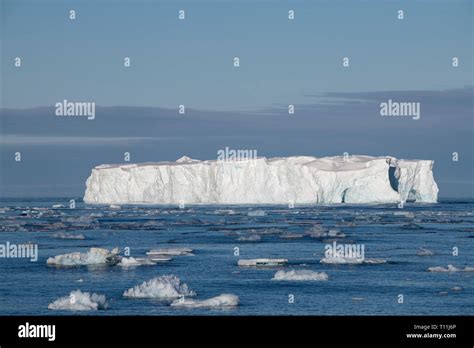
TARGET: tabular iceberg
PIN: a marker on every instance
(280, 180)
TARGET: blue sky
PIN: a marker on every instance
(190, 62)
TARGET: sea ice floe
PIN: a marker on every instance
(57, 206)
(131, 261)
(94, 256)
(159, 258)
(221, 301)
(319, 231)
(451, 268)
(79, 301)
(300, 275)
(424, 252)
(251, 238)
(164, 287)
(65, 235)
(350, 260)
(262, 262)
(292, 235)
(170, 252)
(256, 213)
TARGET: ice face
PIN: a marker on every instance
(299, 180)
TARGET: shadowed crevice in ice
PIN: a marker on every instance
(393, 179)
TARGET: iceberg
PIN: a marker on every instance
(280, 180)
(79, 301)
(300, 275)
(221, 301)
(164, 287)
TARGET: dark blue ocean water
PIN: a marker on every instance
(26, 288)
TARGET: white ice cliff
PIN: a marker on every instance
(280, 180)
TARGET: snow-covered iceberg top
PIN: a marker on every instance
(280, 180)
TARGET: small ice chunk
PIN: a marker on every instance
(424, 252)
(300, 275)
(456, 288)
(351, 260)
(451, 268)
(115, 207)
(65, 235)
(251, 238)
(262, 262)
(292, 235)
(158, 258)
(131, 261)
(93, 257)
(79, 301)
(170, 252)
(318, 231)
(57, 206)
(342, 260)
(164, 287)
(221, 301)
(256, 213)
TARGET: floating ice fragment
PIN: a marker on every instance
(164, 287)
(251, 238)
(65, 235)
(170, 252)
(256, 213)
(451, 268)
(424, 252)
(262, 262)
(92, 257)
(351, 260)
(300, 275)
(79, 301)
(221, 301)
(131, 261)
